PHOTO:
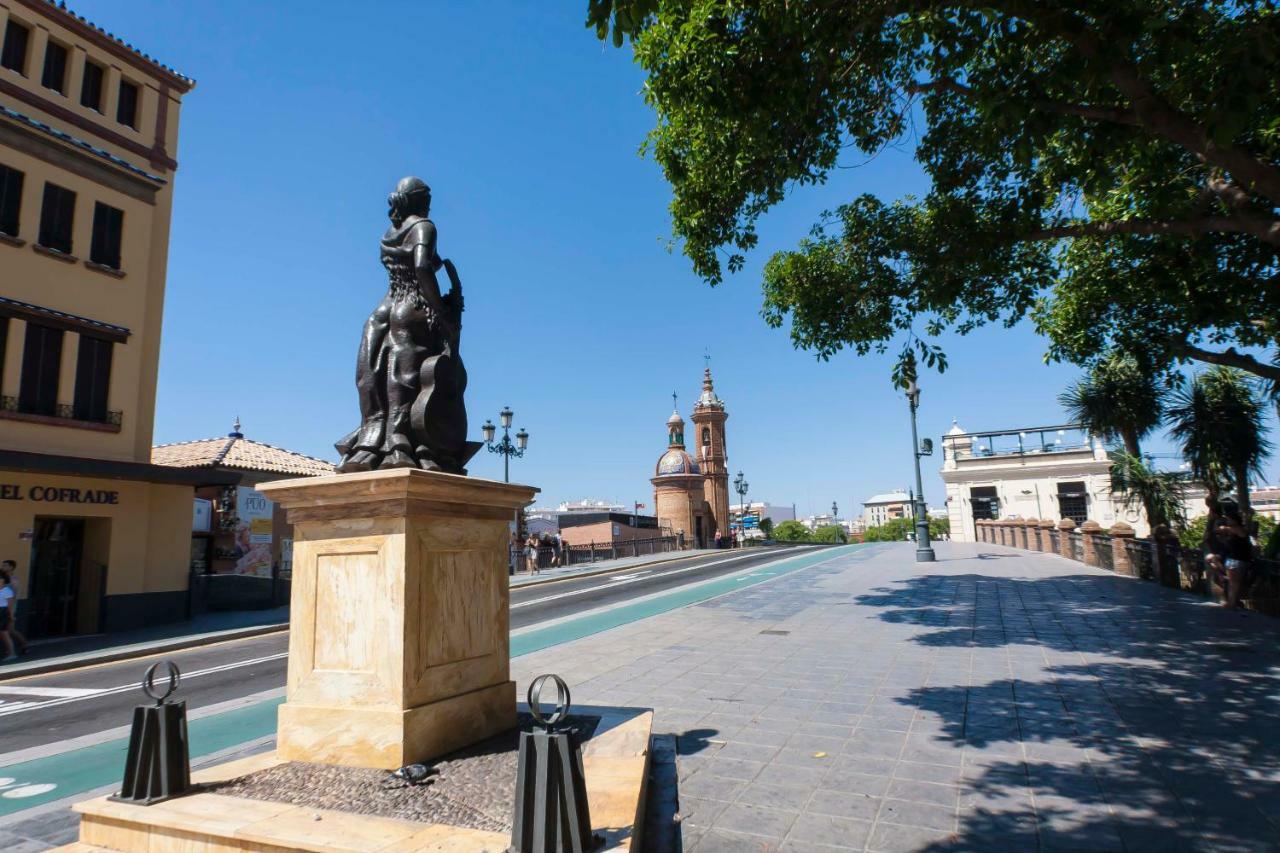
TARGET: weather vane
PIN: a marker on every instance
(675, 406)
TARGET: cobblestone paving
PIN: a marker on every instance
(996, 700)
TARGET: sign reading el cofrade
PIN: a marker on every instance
(56, 494)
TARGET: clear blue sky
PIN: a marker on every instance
(578, 317)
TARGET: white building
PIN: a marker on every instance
(1037, 472)
(880, 509)
(548, 519)
(764, 509)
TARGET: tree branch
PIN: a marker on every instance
(1267, 230)
(1230, 358)
(1153, 111)
(1115, 115)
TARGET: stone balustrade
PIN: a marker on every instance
(1118, 549)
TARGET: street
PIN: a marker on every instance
(46, 710)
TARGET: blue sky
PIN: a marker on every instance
(578, 316)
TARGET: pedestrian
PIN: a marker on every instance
(719, 542)
(6, 618)
(10, 568)
(1235, 549)
(531, 554)
(557, 550)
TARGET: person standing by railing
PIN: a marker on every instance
(1233, 551)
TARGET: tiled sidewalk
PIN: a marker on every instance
(995, 700)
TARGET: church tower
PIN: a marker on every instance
(709, 450)
(678, 491)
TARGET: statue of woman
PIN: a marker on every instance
(409, 376)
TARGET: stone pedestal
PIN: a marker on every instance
(399, 643)
(1121, 536)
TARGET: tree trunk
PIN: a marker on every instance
(1242, 495)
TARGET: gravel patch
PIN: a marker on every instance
(472, 788)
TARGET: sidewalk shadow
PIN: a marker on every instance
(1148, 719)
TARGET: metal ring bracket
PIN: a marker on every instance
(562, 700)
(149, 680)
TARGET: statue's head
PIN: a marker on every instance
(412, 197)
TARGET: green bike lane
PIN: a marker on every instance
(55, 777)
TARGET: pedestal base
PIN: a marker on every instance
(615, 762)
(387, 739)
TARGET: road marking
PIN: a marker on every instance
(52, 692)
(18, 708)
(626, 579)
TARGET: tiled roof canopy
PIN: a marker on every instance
(238, 452)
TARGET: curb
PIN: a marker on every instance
(137, 650)
(191, 641)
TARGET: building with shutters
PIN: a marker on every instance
(1053, 473)
(88, 145)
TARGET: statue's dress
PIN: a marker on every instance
(409, 377)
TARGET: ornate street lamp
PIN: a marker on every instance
(740, 486)
(924, 549)
(505, 446)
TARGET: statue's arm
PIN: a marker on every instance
(425, 264)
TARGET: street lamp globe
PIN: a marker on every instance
(522, 439)
(505, 415)
(488, 429)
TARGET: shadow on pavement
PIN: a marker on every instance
(1131, 716)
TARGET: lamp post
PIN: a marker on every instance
(924, 549)
(505, 447)
(740, 486)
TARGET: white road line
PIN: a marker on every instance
(626, 579)
(51, 692)
(125, 688)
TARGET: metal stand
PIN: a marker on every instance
(157, 766)
(551, 812)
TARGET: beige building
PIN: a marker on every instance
(881, 509)
(691, 495)
(88, 138)
(1050, 473)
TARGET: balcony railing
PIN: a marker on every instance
(64, 414)
(1043, 440)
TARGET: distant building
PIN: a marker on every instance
(602, 528)
(1053, 472)
(881, 509)
(691, 491)
(235, 529)
(764, 509)
(547, 520)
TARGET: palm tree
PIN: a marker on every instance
(1219, 419)
(1160, 493)
(1120, 398)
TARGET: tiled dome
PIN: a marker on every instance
(676, 462)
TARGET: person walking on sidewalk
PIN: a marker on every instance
(10, 570)
(8, 633)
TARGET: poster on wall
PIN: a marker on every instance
(253, 533)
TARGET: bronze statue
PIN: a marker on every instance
(409, 375)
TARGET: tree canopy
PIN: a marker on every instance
(791, 531)
(1108, 169)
